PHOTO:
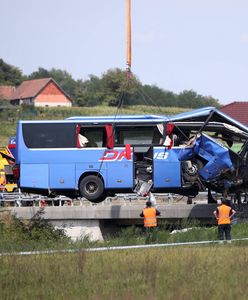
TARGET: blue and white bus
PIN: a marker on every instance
(94, 157)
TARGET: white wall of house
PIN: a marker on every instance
(51, 104)
(26, 101)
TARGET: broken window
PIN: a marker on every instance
(93, 137)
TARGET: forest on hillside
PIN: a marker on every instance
(109, 89)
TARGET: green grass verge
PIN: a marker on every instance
(210, 272)
(38, 234)
(184, 272)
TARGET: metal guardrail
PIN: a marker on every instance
(20, 199)
(23, 200)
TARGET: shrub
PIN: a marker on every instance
(17, 233)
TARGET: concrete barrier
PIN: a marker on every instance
(99, 212)
(92, 221)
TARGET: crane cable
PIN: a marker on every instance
(129, 76)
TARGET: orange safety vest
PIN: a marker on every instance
(150, 219)
(224, 214)
(2, 181)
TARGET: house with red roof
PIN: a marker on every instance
(238, 110)
(6, 92)
(37, 92)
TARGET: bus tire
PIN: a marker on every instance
(91, 187)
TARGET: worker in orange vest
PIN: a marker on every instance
(223, 215)
(150, 214)
(2, 180)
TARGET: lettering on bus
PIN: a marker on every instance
(112, 155)
(161, 155)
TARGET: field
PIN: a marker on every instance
(10, 116)
(216, 271)
(210, 272)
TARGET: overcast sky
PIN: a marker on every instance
(177, 44)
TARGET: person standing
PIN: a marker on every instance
(150, 214)
(223, 215)
(2, 180)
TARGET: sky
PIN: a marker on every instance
(176, 44)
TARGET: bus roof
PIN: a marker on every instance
(121, 117)
(205, 114)
(107, 119)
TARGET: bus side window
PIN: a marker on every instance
(156, 136)
(91, 136)
(92, 144)
(117, 137)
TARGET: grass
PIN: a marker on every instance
(38, 234)
(210, 272)
(183, 272)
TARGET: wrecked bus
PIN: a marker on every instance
(94, 157)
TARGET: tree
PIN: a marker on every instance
(41, 73)
(117, 86)
(113, 88)
(108, 90)
(191, 99)
(89, 92)
(9, 75)
(159, 97)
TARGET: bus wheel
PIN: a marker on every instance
(191, 169)
(91, 187)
